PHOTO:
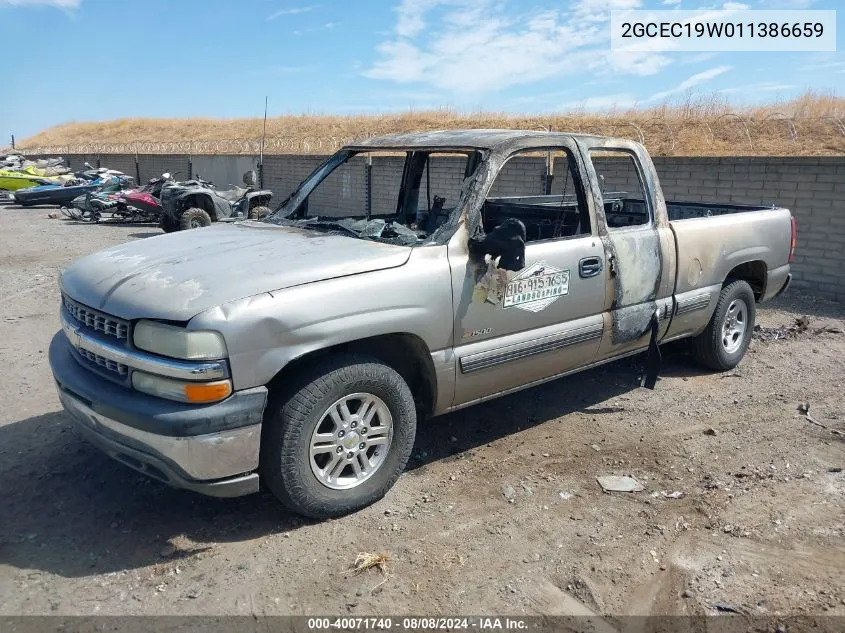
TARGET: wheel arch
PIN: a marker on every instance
(201, 201)
(406, 353)
(753, 272)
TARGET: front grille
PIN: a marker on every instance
(105, 363)
(97, 321)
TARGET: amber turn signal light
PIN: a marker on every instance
(208, 391)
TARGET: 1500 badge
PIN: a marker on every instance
(475, 333)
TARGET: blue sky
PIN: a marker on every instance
(90, 60)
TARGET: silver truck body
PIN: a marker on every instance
(280, 295)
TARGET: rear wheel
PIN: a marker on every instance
(195, 218)
(337, 439)
(722, 345)
(256, 213)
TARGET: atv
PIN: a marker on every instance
(197, 203)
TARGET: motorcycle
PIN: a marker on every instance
(197, 203)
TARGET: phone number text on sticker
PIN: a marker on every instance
(537, 288)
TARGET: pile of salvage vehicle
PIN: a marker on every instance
(98, 194)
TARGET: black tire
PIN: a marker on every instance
(293, 415)
(168, 224)
(194, 218)
(710, 348)
(256, 213)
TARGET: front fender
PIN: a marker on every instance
(193, 193)
(265, 333)
(197, 198)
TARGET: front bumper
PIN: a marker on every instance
(211, 449)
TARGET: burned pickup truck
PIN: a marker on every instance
(406, 277)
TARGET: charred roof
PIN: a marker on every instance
(496, 140)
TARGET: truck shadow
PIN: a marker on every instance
(463, 430)
(71, 511)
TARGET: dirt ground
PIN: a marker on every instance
(498, 513)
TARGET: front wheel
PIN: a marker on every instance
(725, 340)
(339, 438)
(168, 224)
(194, 218)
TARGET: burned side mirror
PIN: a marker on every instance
(506, 241)
(250, 178)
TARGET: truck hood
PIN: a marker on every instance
(176, 276)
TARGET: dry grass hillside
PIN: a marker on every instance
(813, 124)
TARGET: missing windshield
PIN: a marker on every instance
(400, 197)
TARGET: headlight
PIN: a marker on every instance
(193, 392)
(177, 342)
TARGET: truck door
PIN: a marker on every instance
(639, 245)
(513, 328)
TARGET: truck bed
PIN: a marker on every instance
(622, 211)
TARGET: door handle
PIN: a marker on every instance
(590, 266)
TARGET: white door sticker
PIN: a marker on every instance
(536, 287)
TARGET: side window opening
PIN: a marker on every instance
(540, 189)
(623, 193)
(404, 185)
(431, 188)
(342, 193)
(403, 195)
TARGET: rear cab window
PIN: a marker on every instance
(624, 195)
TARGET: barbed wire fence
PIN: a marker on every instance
(733, 132)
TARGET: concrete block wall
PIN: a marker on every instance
(562, 183)
(522, 176)
(77, 161)
(343, 192)
(282, 174)
(123, 162)
(620, 174)
(154, 165)
(447, 176)
(812, 187)
(387, 177)
(223, 173)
